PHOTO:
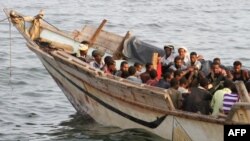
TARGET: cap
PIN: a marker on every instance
(97, 52)
(183, 47)
(83, 47)
(169, 46)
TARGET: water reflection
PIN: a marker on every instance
(82, 127)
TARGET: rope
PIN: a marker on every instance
(4, 19)
(51, 24)
(10, 68)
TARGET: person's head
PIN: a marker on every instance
(237, 66)
(153, 74)
(183, 82)
(168, 76)
(111, 65)
(107, 59)
(168, 49)
(138, 66)
(178, 62)
(193, 57)
(149, 67)
(228, 84)
(97, 54)
(216, 68)
(174, 83)
(182, 52)
(234, 89)
(178, 74)
(204, 82)
(83, 49)
(131, 70)
(124, 66)
(217, 60)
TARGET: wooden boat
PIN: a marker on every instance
(111, 100)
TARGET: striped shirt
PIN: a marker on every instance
(228, 101)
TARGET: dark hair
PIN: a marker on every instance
(174, 82)
(234, 89)
(136, 64)
(85, 42)
(177, 58)
(237, 63)
(183, 80)
(148, 65)
(177, 73)
(166, 75)
(131, 70)
(228, 83)
(110, 62)
(216, 59)
(204, 82)
(107, 59)
(123, 63)
(153, 74)
(193, 53)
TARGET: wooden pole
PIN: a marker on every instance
(118, 53)
(242, 91)
(155, 60)
(97, 32)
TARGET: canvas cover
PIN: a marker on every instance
(139, 51)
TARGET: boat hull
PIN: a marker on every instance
(110, 111)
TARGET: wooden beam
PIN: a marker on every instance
(118, 53)
(97, 32)
(242, 91)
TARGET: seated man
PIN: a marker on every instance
(199, 98)
(82, 52)
(111, 67)
(98, 63)
(238, 73)
(168, 59)
(217, 100)
(123, 67)
(216, 76)
(229, 100)
(145, 75)
(153, 78)
(132, 77)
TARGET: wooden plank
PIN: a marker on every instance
(242, 91)
(118, 52)
(106, 40)
(97, 32)
(155, 60)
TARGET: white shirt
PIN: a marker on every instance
(165, 61)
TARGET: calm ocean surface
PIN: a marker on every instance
(32, 107)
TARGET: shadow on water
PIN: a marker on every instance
(84, 128)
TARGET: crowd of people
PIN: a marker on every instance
(192, 85)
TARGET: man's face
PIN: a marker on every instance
(179, 63)
(182, 52)
(168, 51)
(125, 67)
(237, 68)
(193, 58)
(216, 69)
